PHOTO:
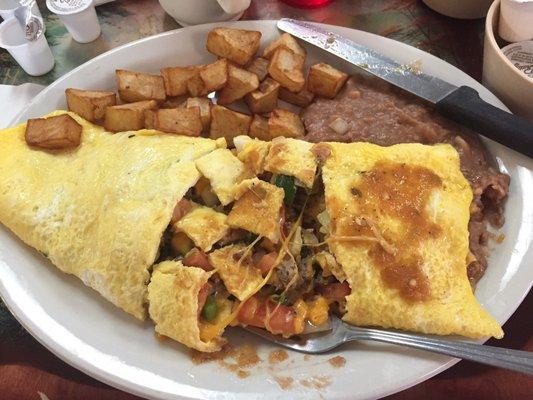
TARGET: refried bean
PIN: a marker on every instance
(378, 113)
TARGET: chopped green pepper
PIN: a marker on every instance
(287, 184)
(210, 310)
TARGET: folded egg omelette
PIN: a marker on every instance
(399, 228)
(98, 211)
(399, 224)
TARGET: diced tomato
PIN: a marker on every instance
(276, 318)
(202, 296)
(182, 208)
(267, 262)
(197, 258)
(334, 291)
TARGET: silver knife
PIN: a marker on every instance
(460, 104)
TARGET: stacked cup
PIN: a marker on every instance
(34, 56)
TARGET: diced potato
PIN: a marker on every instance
(259, 128)
(265, 99)
(196, 80)
(287, 69)
(301, 99)
(90, 104)
(287, 41)
(176, 79)
(53, 133)
(127, 117)
(285, 123)
(138, 86)
(257, 208)
(183, 121)
(240, 83)
(204, 105)
(325, 81)
(236, 45)
(214, 76)
(174, 102)
(259, 66)
(195, 86)
(227, 123)
(224, 172)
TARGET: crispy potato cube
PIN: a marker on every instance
(90, 104)
(53, 133)
(285, 123)
(287, 41)
(214, 76)
(127, 117)
(240, 83)
(259, 128)
(301, 99)
(257, 198)
(287, 69)
(174, 102)
(203, 226)
(197, 80)
(325, 81)
(204, 105)
(224, 172)
(176, 78)
(137, 86)
(183, 121)
(195, 85)
(236, 45)
(265, 99)
(259, 66)
(227, 123)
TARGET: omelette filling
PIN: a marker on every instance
(268, 250)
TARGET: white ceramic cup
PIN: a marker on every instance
(34, 57)
(79, 18)
(193, 12)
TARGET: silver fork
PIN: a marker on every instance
(339, 333)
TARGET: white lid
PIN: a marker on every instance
(65, 7)
(521, 56)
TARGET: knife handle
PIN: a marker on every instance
(465, 107)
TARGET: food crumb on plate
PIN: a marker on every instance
(316, 382)
(337, 361)
(284, 382)
(237, 360)
(277, 356)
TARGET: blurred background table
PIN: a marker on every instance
(28, 370)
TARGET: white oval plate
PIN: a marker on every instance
(89, 333)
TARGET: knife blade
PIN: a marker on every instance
(461, 104)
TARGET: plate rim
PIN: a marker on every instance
(138, 389)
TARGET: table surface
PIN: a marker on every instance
(28, 370)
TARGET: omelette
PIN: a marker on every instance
(98, 211)
(277, 235)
